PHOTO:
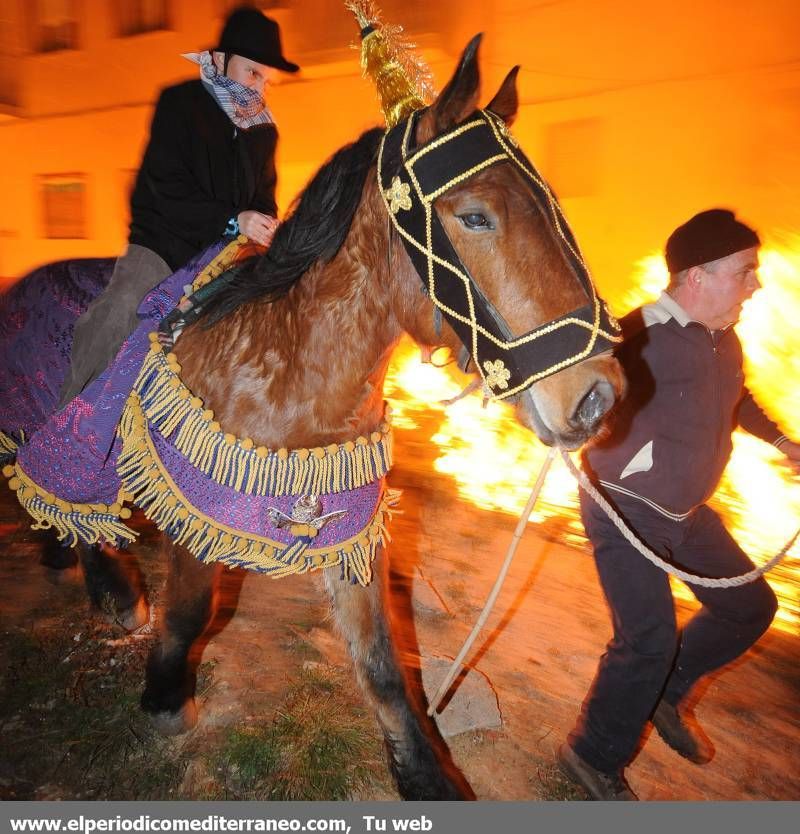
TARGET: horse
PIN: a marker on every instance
(291, 353)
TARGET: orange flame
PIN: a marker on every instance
(758, 496)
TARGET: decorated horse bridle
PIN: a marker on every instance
(410, 180)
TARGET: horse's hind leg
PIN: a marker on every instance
(112, 589)
(363, 621)
(191, 599)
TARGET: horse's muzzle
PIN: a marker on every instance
(571, 407)
(594, 406)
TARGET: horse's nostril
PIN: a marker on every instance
(594, 406)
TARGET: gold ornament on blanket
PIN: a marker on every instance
(307, 518)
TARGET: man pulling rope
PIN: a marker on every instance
(661, 462)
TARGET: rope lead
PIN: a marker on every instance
(630, 536)
(586, 484)
(498, 584)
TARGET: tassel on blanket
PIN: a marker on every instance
(8, 446)
(169, 407)
(91, 523)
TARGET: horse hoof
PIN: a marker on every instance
(131, 618)
(175, 723)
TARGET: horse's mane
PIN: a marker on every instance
(318, 223)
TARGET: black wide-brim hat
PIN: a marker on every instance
(251, 34)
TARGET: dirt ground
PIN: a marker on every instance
(538, 652)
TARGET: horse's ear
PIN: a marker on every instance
(506, 102)
(457, 100)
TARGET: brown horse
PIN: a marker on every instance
(297, 363)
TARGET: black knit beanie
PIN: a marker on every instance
(708, 236)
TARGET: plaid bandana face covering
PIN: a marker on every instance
(243, 106)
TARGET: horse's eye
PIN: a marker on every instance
(473, 220)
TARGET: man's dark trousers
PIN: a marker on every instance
(647, 658)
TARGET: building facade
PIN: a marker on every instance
(639, 114)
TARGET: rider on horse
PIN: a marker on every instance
(209, 168)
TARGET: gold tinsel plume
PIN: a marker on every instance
(403, 80)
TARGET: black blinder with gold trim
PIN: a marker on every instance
(411, 180)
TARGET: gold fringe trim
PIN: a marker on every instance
(8, 446)
(90, 523)
(223, 262)
(146, 478)
(160, 399)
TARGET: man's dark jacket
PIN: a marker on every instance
(671, 438)
(198, 171)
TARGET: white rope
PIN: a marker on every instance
(498, 584)
(630, 536)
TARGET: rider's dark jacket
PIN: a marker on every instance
(198, 171)
(671, 437)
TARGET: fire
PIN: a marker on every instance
(758, 496)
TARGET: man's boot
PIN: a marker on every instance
(683, 734)
(599, 785)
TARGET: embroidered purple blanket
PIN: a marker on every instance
(275, 511)
(139, 434)
(37, 315)
(72, 453)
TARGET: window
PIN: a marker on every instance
(9, 86)
(135, 17)
(10, 64)
(55, 25)
(64, 205)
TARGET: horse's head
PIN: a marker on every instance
(497, 256)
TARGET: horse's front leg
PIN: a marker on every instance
(362, 618)
(112, 589)
(56, 555)
(191, 600)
